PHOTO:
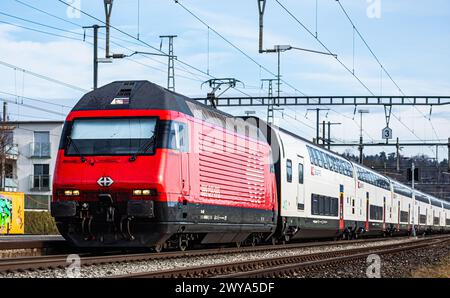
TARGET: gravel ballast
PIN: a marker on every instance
(105, 270)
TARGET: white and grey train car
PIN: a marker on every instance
(322, 194)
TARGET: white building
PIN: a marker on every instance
(30, 158)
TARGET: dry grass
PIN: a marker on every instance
(437, 270)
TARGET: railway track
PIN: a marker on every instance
(87, 259)
(290, 265)
(32, 244)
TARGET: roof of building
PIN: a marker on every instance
(33, 122)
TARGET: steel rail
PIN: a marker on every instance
(270, 267)
(86, 259)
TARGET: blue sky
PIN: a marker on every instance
(410, 37)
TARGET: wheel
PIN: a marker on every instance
(182, 243)
(158, 248)
(274, 241)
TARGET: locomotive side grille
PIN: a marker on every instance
(231, 169)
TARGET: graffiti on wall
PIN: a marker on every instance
(11, 213)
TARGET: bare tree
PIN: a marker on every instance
(6, 146)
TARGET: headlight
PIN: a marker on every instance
(70, 192)
(144, 192)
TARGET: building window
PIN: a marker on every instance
(289, 170)
(41, 144)
(41, 177)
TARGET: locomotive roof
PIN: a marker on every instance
(137, 95)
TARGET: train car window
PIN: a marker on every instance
(404, 215)
(334, 161)
(325, 160)
(289, 170)
(329, 161)
(376, 212)
(321, 205)
(348, 169)
(327, 207)
(341, 166)
(314, 204)
(319, 157)
(300, 173)
(311, 155)
(358, 173)
(334, 206)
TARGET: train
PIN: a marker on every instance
(141, 166)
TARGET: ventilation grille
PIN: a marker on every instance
(123, 96)
(230, 170)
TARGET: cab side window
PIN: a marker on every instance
(178, 136)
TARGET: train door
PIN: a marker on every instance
(341, 207)
(409, 215)
(418, 216)
(181, 141)
(367, 211)
(384, 213)
(300, 184)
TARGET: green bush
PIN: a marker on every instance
(40, 223)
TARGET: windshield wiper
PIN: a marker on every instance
(144, 147)
(69, 138)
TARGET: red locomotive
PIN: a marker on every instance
(139, 166)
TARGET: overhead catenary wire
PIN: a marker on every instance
(207, 74)
(79, 39)
(383, 69)
(80, 34)
(234, 45)
(328, 50)
(147, 44)
(38, 100)
(43, 77)
(33, 107)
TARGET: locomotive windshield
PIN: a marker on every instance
(113, 136)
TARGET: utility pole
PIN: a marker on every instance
(361, 146)
(261, 8)
(3, 144)
(448, 157)
(324, 141)
(5, 111)
(95, 62)
(414, 200)
(329, 132)
(279, 75)
(317, 121)
(270, 104)
(171, 62)
(108, 9)
(397, 146)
